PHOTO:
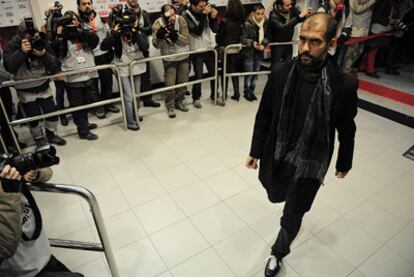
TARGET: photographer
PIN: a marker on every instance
(255, 37)
(145, 28)
(170, 35)
(202, 19)
(24, 245)
(129, 44)
(74, 47)
(27, 56)
(91, 22)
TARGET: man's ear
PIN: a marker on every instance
(332, 44)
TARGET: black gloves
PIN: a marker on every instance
(161, 34)
(174, 35)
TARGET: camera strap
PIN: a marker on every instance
(36, 213)
(93, 23)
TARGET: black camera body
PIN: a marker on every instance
(126, 21)
(40, 158)
(37, 42)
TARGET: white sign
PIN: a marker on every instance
(12, 12)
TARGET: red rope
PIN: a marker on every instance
(357, 40)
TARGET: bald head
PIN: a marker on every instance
(321, 22)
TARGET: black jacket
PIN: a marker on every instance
(113, 42)
(250, 34)
(280, 30)
(229, 32)
(197, 29)
(381, 13)
(343, 112)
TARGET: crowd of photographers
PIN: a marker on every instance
(78, 40)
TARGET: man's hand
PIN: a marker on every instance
(31, 175)
(341, 175)
(213, 12)
(251, 163)
(207, 9)
(306, 12)
(39, 53)
(117, 28)
(258, 46)
(26, 46)
(10, 173)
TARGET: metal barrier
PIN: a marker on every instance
(153, 91)
(68, 110)
(238, 74)
(105, 245)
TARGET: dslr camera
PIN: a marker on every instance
(126, 21)
(37, 42)
(42, 157)
(56, 19)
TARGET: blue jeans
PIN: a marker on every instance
(251, 65)
(129, 103)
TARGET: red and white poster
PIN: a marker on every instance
(103, 7)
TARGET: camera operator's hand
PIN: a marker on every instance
(26, 46)
(207, 9)
(9, 173)
(39, 53)
(305, 13)
(161, 33)
(174, 35)
(213, 12)
(117, 28)
(31, 175)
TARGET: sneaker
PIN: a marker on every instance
(56, 140)
(197, 104)
(248, 96)
(272, 266)
(151, 103)
(89, 136)
(171, 113)
(133, 127)
(181, 107)
(100, 113)
(112, 108)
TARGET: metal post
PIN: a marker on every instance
(16, 142)
(121, 95)
(97, 217)
(216, 75)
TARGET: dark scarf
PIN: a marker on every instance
(311, 154)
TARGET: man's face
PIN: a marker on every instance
(200, 7)
(259, 15)
(133, 3)
(313, 47)
(85, 6)
(286, 7)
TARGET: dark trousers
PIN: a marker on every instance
(55, 268)
(105, 78)
(6, 97)
(233, 65)
(78, 96)
(392, 53)
(281, 53)
(38, 107)
(60, 94)
(198, 61)
(298, 197)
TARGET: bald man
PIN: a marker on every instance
(304, 102)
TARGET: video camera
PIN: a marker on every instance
(125, 18)
(37, 42)
(56, 19)
(40, 158)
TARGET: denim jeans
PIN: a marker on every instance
(251, 65)
(129, 102)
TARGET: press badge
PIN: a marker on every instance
(81, 59)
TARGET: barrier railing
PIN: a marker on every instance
(104, 245)
(67, 110)
(153, 91)
(225, 75)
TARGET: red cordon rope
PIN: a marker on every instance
(357, 40)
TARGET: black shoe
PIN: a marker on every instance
(151, 103)
(272, 266)
(373, 75)
(100, 113)
(56, 140)
(187, 92)
(92, 126)
(134, 128)
(248, 96)
(140, 118)
(253, 97)
(89, 136)
(112, 109)
(392, 71)
(63, 120)
(236, 97)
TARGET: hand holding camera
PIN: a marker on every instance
(26, 46)
(174, 35)
(305, 13)
(8, 176)
(162, 33)
(258, 46)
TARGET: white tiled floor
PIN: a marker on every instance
(177, 201)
